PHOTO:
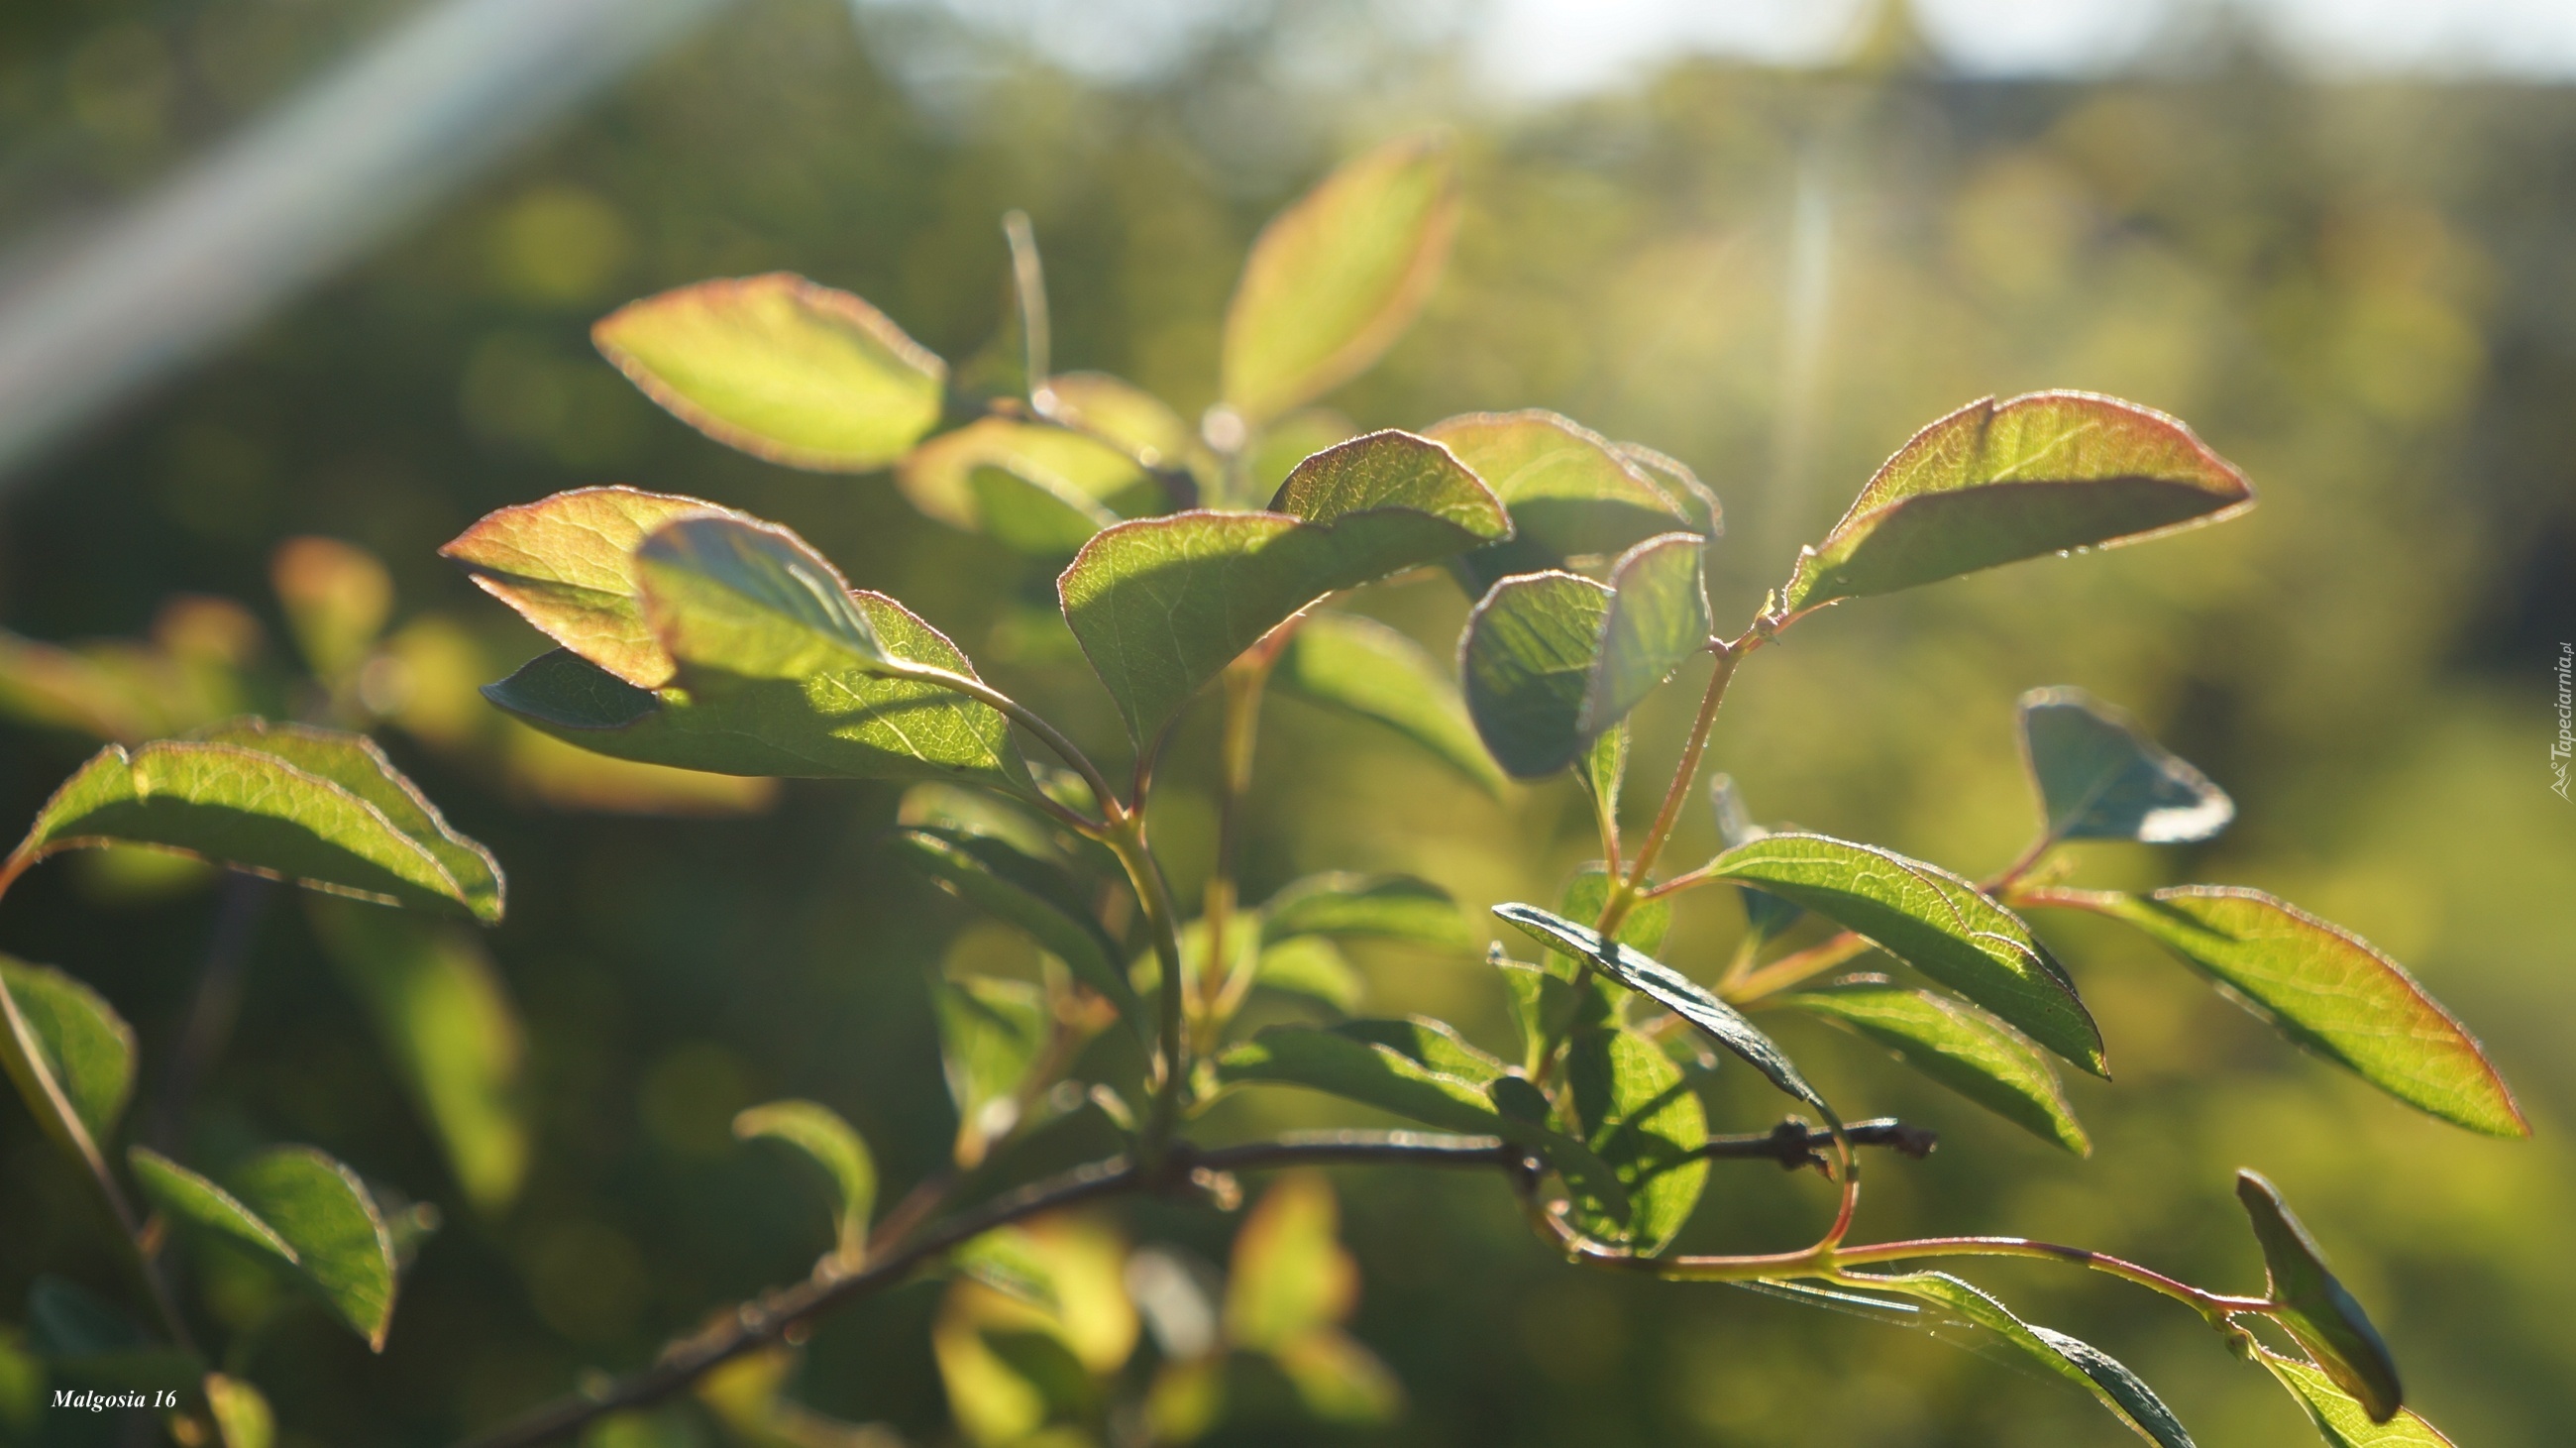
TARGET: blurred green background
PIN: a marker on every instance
(2361, 292)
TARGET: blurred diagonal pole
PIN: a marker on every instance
(105, 313)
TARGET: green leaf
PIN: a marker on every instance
(1658, 622)
(1932, 920)
(1585, 893)
(1034, 895)
(341, 1245)
(1361, 667)
(567, 565)
(1964, 1049)
(1309, 966)
(192, 1200)
(70, 1053)
(2340, 1419)
(2087, 1367)
(1334, 279)
(1572, 492)
(1668, 988)
(1765, 914)
(1527, 658)
(941, 477)
(1290, 1273)
(1277, 449)
(1700, 509)
(2101, 778)
(826, 1140)
(450, 1032)
(1122, 412)
(1339, 1379)
(242, 1416)
(1386, 907)
(258, 811)
(1161, 605)
(781, 368)
(1375, 1074)
(990, 1034)
(1997, 482)
(752, 600)
(2326, 989)
(2313, 1307)
(848, 724)
(1427, 1042)
(1639, 1114)
(336, 597)
(1603, 772)
(355, 763)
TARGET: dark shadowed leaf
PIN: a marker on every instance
(990, 1034)
(1333, 280)
(1571, 492)
(1995, 482)
(2314, 1307)
(1668, 988)
(1639, 1114)
(1658, 621)
(2087, 1367)
(567, 564)
(1360, 666)
(2326, 989)
(1160, 605)
(1527, 660)
(781, 368)
(940, 476)
(2101, 778)
(1386, 907)
(1932, 920)
(1964, 1049)
(341, 1245)
(199, 1204)
(750, 599)
(1040, 898)
(69, 1053)
(826, 1140)
(2340, 1419)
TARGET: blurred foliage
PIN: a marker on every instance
(2362, 294)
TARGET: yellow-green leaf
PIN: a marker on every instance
(1387, 907)
(2313, 1307)
(192, 1200)
(941, 477)
(567, 565)
(1964, 1049)
(1310, 966)
(1290, 1273)
(819, 1132)
(752, 600)
(1996, 482)
(1638, 1113)
(781, 368)
(990, 1034)
(1527, 658)
(70, 1055)
(1571, 492)
(1658, 621)
(341, 1245)
(2340, 1418)
(337, 597)
(1333, 280)
(1121, 412)
(2087, 1367)
(241, 1414)
(2100, 777)
(1361, 667)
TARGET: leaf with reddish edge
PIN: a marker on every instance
(567, 565)
(2313, 1307)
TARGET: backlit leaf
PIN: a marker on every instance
(1658, 622)
(2327, 990)
(341, 1245)
(2340, 1419)
(1765, 914)
(1603, 771)
(940, 476)
(567, 564)
(1427, 1042)
(2087, 1367)
(1310, 966)
(1277, 449)
(1964, 1049)
(1122, 412)
(69, 1053)
(257, 810)
(1386, 907)
(1334, 279)
(241, 1414)
(1640, 1115)
(1338, 1379)
(1670, 989)
(826, 1140)
(1160, 605)
(2101, 778)
(781, 368)
(990, 1034)
(2313, 1307)
(1360, 666)
(1932, 920)
(1290, 1273)
(1032, 894)
(190, 1199)
(1527, 659)
(752, 600)
(1571, 492)
(337, 597)
(1996, 482)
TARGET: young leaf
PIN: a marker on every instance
(990, 1034)
(2100, 777)
(2088, 1367)
(1360, 666)
(567, 565)
(341, 1245)
(1997, 482)
(1583, 897)
(751, 599)
(241, 1414)
(2326, 989)
(819, 1132)
(70, 1054)
(781, 368)
(1527, 658)
(1572, 492)
(1333, 280)
(2315, 1309)
(1603, 771)
(1035, 896)
(1932, 920)
(940, 476)
(1640, 1115)
(356, 763)
(1765, 914)
(1386, 907)
(191, 1199)
(447, 1024)
(1668, 988)
(1309, 966)
(2340, 1418)
(1964, 1049)
(1290, 1273)
(1160, 605)
(1658, 621)
(849, 724)
(255, 810)
(336, 596)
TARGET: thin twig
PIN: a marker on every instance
(1795, 1144)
